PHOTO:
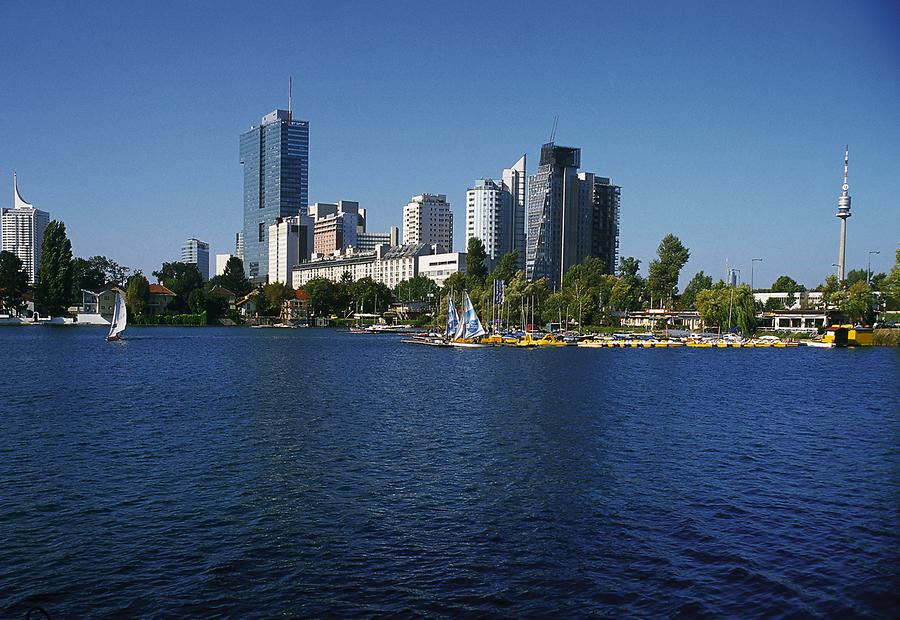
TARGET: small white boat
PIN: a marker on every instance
(819, 344)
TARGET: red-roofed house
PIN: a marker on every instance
(160, 298)
(296, 308)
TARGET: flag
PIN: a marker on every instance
(499, 292)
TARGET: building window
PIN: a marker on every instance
(262, 232)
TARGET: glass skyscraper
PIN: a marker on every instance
(275, 157)
(571, 216)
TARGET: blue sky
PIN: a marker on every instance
(724, 123)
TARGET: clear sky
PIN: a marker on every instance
(724, 122)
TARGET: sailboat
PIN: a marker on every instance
(119, 319)
(469, 328)
(452, 318)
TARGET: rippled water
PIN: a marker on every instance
(263, 473)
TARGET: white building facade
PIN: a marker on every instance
(387, 265)
(196, 252)
(495, 213)
(23, 232)
(221, 261)
(439, 267)
(428, 219)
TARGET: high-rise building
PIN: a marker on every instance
(196, 252)
(428, 219)
(275, 157)
(23, 232)
(571, 216)
(336, 225)
(495, 213)
(368, 241)
(239, 245)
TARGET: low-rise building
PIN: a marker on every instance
(223, 293)
(651, 318)
(160, 298)
(389, 265)
(439, 267)
(793, 320)
(791, 301)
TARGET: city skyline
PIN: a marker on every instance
(734, 147)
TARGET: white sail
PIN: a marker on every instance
(472, 324)
(461, 325)
(120, 317)
(452, 317)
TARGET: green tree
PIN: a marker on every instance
(181, 279)
(475, 260)
(197, 301)
(87, 275)
(890, 288)
(506, 267)
(830, 288)
(13, 282)
(415, 289)
(626, 292)
(855, 302)
(113, 272)
(54, 287)
(233, 278)
(727, 307)
(273, 297)
(137, 296)
(856, 275)
(663, 273)
(699, 282)
(787, 284)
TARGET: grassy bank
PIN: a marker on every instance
(887, 337)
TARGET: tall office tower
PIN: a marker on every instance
(495, 213)
(239, 245)
(428, 219)
(275, 157)
(843, 213)
(196, 252)
(565, 212)
(23, 232)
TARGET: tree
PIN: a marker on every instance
(181, 279)
(830, 288)
(113, 272)
(506, 267)
(662, 278)
(727, 307)
(54, 287)
(856, 275)
(855, 302)
(368, 295)
(86, 274)
(13, 282)
(197, 301)
(273, 297)
(415, 289)
(890, 288)
(137, 296)
(475, 260)
(699, 282)
(233, 278)
(787, 284)
(626, 292)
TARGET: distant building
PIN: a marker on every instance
(495, 213)
(428, 219)
(196, 252)
(387, 265)
(23, 232)
(160, 298)
(368, 241)
(239, 245)
(336, 225)
(275, 157)
(439, 267)
(571, 216)
(221, 261)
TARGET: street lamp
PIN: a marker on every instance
(835, 265)
(753, 260)
(869, 267)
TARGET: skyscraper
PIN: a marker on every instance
(428, 219)
(275, 157)
(571, 216)
(23, 232)
(495, 213)
(196, 252)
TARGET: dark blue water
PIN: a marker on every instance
(261, 473)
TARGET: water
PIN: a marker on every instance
(250, 473)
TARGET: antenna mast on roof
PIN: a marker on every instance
(553, 133)
(290, 97)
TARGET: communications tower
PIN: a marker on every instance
(843, 213)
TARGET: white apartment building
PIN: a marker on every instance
(439, 267)
(495, 213)
(389, 265)
(196, 252)
(284, 247)
(23, 229)
(428, 219)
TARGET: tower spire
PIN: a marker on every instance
(290, 97)
(843, 213)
